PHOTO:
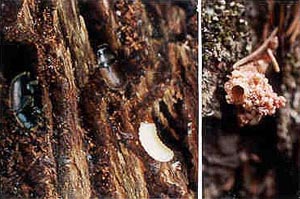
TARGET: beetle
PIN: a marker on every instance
(109, 68)
(23, 100)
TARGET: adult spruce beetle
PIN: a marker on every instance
(24, 93)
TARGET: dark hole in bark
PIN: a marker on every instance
(94, 23)
(238, 94)
(17, 58)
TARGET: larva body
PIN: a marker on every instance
(152, 144)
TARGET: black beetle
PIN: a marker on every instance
(109, 68)
(23, 100)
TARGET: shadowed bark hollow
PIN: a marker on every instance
(86, 142)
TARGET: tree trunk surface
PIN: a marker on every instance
(86, 143)
(260, 161)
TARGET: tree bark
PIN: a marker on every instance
(262, 160)
(86, 144)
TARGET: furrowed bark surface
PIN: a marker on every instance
(86, 144)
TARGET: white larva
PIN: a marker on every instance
(152, 144)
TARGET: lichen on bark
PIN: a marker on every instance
(226, 39)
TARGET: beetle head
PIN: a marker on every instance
(105, 56)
